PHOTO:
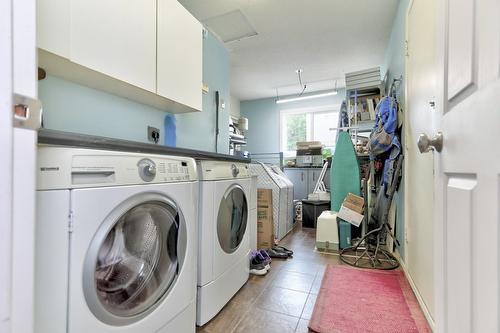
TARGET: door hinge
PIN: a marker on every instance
(27, 112)
(407, 51)
(71, 218)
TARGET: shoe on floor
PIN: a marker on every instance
(257, 267)
(282, 249)
(266, 256)
(258, 257)
(276, 254)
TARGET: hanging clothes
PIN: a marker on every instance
(383, 137)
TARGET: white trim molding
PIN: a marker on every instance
(414, 288)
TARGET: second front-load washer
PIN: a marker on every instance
(224, 244)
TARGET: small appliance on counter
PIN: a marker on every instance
(309, 154)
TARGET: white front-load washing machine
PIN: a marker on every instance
(224, 244)
(116, 242)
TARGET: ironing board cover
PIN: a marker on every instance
(344, 173)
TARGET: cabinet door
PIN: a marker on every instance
(53, 26)
(117, 38)
(312, 179)
(299, 179)
(180, 54)
(313, 176)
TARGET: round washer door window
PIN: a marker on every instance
(232, 219)
(133, 262)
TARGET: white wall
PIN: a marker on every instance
(419, 177)
(414, 198)
(234, 107)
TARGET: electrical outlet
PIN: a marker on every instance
(153, 134)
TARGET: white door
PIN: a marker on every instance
(467, 170)
(17, 170)
(418, 168)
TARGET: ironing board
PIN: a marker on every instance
(344, 173)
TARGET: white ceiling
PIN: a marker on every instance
(326, 38)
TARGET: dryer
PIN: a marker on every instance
(224, 244)
(116, 242)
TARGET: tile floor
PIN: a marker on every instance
(281, 301)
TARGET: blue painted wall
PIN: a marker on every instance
(198, 129)
(394, 64)
(71, 107)
(264, 117)
(75, 108)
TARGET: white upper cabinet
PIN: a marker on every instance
(149, 51)
(180, 54)
(53, 26)
(116, 38)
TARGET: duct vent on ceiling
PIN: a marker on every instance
(230, 26)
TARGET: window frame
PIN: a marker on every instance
(335, 108)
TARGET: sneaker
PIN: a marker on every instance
(266, 256)
(283, 249)
(260, 258)
(276, 254)
(257, 267)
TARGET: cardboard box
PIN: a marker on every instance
(354, 202)
(265, 230)
(350, 216)
(352, 209)
(264, 196)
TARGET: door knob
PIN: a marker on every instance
(425, 144)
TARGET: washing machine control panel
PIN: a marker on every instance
(218, 170)
(61, 167)
(147, 169)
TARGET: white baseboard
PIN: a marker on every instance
(420, 300)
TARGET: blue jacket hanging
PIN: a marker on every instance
(383, 137)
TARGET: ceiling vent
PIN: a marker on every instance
(231, 26)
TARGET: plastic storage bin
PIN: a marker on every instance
(327, 234)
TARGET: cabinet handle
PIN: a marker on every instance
(314, 176)
(302, 176)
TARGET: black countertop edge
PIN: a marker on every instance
(60, 138)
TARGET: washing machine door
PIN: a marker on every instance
(134, 260)
(232, 218)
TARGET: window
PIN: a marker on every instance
(307, 125)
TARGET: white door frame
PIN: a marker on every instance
(18, 59)
(439, 283)
(6, 165)
(417, 279)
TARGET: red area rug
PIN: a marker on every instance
(355, 300)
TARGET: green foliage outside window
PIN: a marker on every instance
(296, 130)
